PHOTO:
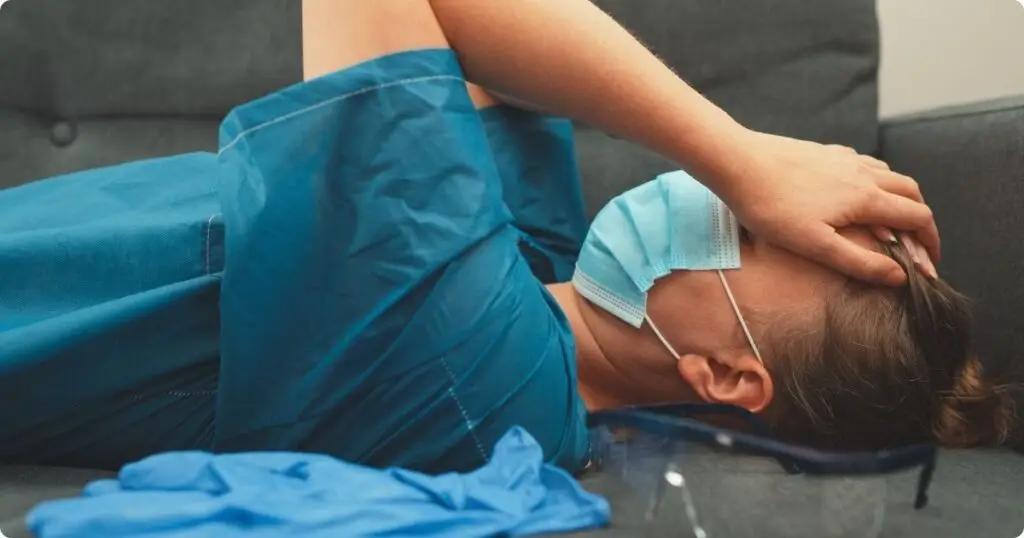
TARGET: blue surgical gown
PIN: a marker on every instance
(358, 271)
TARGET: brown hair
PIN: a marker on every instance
(886, 368)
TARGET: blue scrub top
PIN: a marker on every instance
(358, 272)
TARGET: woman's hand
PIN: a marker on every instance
(796, 194)
(555, 56)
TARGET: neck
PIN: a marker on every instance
(617, 366)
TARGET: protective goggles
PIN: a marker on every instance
(667, 474)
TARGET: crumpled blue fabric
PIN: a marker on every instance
(198, 495)
(536, 160)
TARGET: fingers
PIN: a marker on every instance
(883, 234)
(865, 159)
(874, 163)
(843, 149)
(885, 178)
(895, 212)
(832, 249)
(922, 262)
(928, 237)
(900, 213)
(900, 184)
(927, 233)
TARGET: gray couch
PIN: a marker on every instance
(98, 82)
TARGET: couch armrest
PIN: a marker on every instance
(969, 161)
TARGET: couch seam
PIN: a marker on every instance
(897, 122)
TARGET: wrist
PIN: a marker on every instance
(720, 155)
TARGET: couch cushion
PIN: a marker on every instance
(86, 84)
(23, 487)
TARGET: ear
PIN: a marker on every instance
(741, 381)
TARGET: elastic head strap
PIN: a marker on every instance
(739, 316)
(664, 341)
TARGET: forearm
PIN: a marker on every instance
(569, 57)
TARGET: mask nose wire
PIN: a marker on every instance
(739, 316)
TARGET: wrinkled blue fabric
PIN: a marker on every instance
(356, 273)
(252, 495)
(546, 207)
(373, 266)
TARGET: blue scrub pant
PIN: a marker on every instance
(358, 272)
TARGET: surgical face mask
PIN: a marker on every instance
(671, 223)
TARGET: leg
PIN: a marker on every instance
(341, 33)
(108, 313)
(535, 154)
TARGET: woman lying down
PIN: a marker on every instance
(359, 272)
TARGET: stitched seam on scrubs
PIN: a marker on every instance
(301, 111)
(209, 233)
(465, 415)
(177, 394)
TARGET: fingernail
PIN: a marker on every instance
(922, 270)
(927, 270)
(912, 250)
(898, 278)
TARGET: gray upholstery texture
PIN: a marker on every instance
(89, 84)
(23, 487)
(92, 83)
(792, 67)
(954, 511)
(969, 161)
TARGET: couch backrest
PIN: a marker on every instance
(800, 68)
(99, 82)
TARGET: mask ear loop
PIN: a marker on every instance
(661, 337)
(739, 316)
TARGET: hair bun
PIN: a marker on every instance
(976, 412)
